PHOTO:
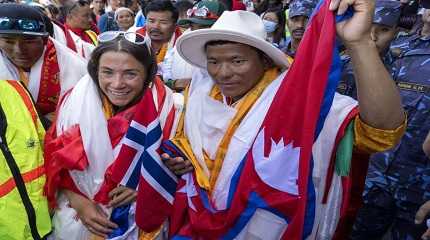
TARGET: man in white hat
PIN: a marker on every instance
(225, 115)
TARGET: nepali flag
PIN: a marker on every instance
(275, 175)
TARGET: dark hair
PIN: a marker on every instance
(142, 53)
(262, 7)
(161, 6)
(279, 33)
(129, 3)
(262, 55)
(68, 8)
(183, 5)
(408, 16)
(228, 4)
(49, 25)
(275, 5)
(53, 9)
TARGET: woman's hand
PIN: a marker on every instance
(121, 196)
(177, 165)
(91, 215)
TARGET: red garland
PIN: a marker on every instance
(49, 90)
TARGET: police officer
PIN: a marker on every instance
(414, 39)
(384, 30)
(298, 16)
(414, 25)
(398, 180)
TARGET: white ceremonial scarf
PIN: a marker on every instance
(83, 106)
(84, 48)
(72, 68)
(205, 128)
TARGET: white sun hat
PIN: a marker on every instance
(235, 26)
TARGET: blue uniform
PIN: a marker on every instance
(347, 82)
(387, 13)
(398, 181)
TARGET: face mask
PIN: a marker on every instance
(269, 26)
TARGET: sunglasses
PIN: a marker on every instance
(28, 25)
(202, 12)
(132, 37)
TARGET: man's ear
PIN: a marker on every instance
(267, 62)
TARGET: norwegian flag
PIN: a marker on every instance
(138, 148)
(275, 175)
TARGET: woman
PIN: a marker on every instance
(84, 146)
(274, 23)
(124, 17)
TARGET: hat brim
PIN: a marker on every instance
(295, 14)
(201, 21)
(17, 32)
(191, 46)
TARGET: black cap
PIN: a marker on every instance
(20, 19)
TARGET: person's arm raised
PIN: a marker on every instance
(378, 97)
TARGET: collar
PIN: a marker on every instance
(77, 31)
(388, 58)
(289, 50)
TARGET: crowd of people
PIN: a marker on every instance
(214, 119)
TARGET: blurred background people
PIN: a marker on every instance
(161, 28)
(182, 6)
(53, 12)
(177, 72)
(274, 22)
(298, 16)
(124, 18)
(46, 67)
(80, 22)
(133, 5)
(107, 21)
(140, 19)
(98, 9)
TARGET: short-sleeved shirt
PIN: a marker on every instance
(404, 171)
